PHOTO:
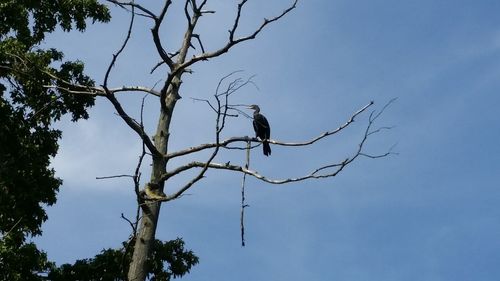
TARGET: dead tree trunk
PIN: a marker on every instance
(151, 209)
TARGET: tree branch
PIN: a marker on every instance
(114, 177)
(138, 128)
(226, 142)
(11, 229)
(243, 204)
(232, 42)
(134, 5)
(156, 35)
(134, 89)
(124, 44)
(173, 81)
(134, 125)
(94, 91)
(219, 126)
(182, 65)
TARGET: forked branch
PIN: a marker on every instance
(134, 125)
(231, 40)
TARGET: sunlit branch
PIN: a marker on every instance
(11, 229)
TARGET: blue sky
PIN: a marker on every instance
(429, 213)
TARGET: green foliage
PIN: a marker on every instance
(25, 178)
(27, 109)
(28, 106)
(168, 260)
(26, 260)
(179, 260)
(15, 16)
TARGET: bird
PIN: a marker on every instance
(262, 128)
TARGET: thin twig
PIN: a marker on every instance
(243, 204)
(113, 177)
(12, 228)
(134, 5)
(132, 225)
(120, 50)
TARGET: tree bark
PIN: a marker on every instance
(151, 211)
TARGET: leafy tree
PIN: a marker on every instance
(113, 264)
(27, 110)
(21, 261)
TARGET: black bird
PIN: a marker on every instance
(262, 129)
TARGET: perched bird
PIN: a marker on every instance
(262, 129)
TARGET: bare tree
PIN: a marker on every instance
(150, 198)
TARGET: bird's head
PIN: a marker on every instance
(254, 107)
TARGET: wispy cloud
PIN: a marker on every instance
(95, 148)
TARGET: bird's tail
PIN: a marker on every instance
(266, 147)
